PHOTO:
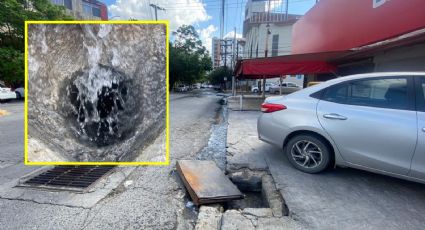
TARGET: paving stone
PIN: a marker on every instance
(258, 212)
(209, 218)
(234, 220)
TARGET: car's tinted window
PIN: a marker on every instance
(421, 100)
(336, 93)
(382, 92)
(386, 93)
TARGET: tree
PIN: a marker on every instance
(189, 59)
(216, 77)
(13, 14)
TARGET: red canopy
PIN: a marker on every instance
(287, 65)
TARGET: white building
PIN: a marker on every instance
(256, 24)
(278, 25)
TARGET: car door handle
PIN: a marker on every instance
(423, 129)
(334, 116)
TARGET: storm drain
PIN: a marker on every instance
(73, 178)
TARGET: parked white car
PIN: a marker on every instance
(181, 88)
(254, 89)
(6, 93)
(287, 88)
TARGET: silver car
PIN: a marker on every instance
(374, 122)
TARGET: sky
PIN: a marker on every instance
(204, 15)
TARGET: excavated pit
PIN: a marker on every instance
(95, 92)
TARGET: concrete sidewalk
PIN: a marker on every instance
(336, 199)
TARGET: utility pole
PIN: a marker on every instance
(266, 50)
(225, 45)
(156, 7)
(222, 20)
(233, 64)
(287, 8)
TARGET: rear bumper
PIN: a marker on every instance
(271, 131)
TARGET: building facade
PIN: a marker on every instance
(263, 28)
(226, 51)
(384, 38)
(215, 52)
(84, 9)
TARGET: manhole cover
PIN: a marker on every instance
(74, 178)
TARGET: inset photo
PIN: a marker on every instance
(96, 93)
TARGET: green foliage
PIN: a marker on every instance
(189, 59)
(216, 77)
(13, 14)
(11, 64)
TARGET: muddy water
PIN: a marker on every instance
(96, 92)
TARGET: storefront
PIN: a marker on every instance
(354, 37)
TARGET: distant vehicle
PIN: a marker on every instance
(6, 94)
(181, 88)
(373, 122)
(20, 93)
(287, 88)
(254, 89)
(311, 83)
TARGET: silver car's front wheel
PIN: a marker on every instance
(308, 153)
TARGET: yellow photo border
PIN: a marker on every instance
(167, 125)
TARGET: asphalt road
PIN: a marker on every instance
(12, 132)
(151, 197)
(340, 198)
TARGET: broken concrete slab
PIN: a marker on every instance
(209, 218)
(275, 223)
(258, 212)
(273, 197)
(233, 220)
(246, 179)
(206, 183)
(243, 148)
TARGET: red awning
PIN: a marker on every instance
(287, 65)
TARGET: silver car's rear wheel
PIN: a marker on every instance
(308, 153)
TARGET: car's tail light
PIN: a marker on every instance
(270, 108)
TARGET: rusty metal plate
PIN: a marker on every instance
(206, 183)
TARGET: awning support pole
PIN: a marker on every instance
(280, 84)
(264, 87)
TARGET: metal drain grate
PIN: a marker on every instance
(68, 177)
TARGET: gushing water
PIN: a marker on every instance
(96, 92)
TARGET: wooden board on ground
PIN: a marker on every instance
(206, 183)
